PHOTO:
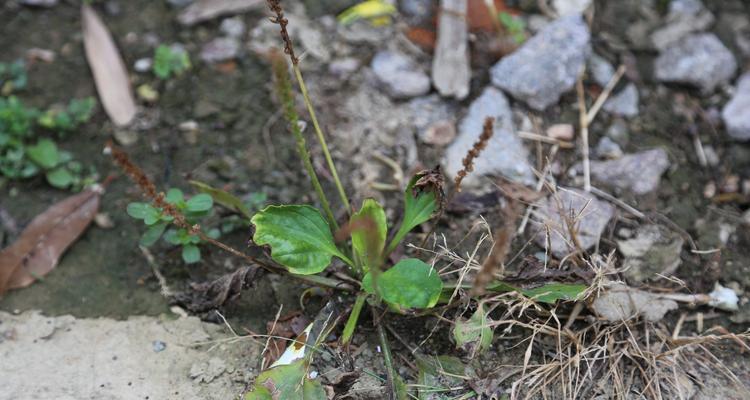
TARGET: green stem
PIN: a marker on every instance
(284, 90)
(351, 323)
(387, 360)
(321, 138)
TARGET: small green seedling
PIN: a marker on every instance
(514, 26)
(13, 77)
(157, 220)
(23, 157)
(170, 61)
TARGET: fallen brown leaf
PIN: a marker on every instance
(38, 249)
(110, 75)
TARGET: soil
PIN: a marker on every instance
(105, 274)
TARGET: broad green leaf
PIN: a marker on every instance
(152, 234)
(191, 253)
(200, 202)
(174, 196)
(224, 198)
(138, 210)
(44, 153)
(60, 177)
(437, 375)
(473, 335)
(172, 237)
(287, 382)
(299, 237)
(153, 215)
(369, 230)
(417, 209)
(409, 284)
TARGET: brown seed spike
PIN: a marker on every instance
(472, 154)
(278, 18)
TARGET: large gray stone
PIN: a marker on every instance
(638, 173)
(547, 65)
(553, 213)
(401, 76)
(736, 112)
(504, 154)
(700, 60)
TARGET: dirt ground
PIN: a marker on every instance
(104, 299)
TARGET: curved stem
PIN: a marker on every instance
(321, 138)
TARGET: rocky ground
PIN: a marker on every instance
(668, 158)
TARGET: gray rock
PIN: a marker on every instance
(233, 27)
(638, 173)
(547, 65)
(343, 67)
(622, 303)
(700, 60)
(417, 12)
(40, 3)
(180, 3)
(684, 17)
(143, 64)
(434, 119)
(570, 7)
(401, 76)
(504, 154)
(624, 103)
(736, 113)
(654, 250)
(618, 131)
(220, 49)
(550, 214)
(601, 70)
(608, 148)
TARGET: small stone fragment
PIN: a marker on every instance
(40, 3)
(639, 173)
(158, 346)
(143, 64)
(624, 103)
(654, 250)
(343, 67)
(439, 133)
(571, 7)
(561, 131)
(684, 17)
(700, 60)
(104, 221)
(589, 215)
(608, 149)
(233, 27)
(600, 69)
(401, 76)
(619, 302)
(736, 113)
(547, 65)
(220, 49)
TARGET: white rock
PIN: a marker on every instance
(623, 103)
(736, 113)
(401, 76)
(700, 60)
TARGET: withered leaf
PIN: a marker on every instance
(45, 239)
(110, 75)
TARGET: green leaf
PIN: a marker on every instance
(153, 215)
(200, 202)
(174, 196)
(224, 198)
(191, 254)
(172, 237)
(552, 292)
(138, 210)
(60, 177)
(417, 209)
(152, 234)
(299, 237)
(473, 335)
(44, 153)
(409, 284)
(369, 230)
(287, 382)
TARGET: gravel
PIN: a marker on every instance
(623, 103)
(400, 75)
(547, 65)
(700, 60)
(639, 173)
(736, 113)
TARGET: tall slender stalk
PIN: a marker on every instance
(275, 6)
(284, 91)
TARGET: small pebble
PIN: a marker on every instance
(561, 131)
(143, 64)
(159, 346)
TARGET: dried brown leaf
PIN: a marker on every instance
(110, 75)
(38, 249)
(203, 10)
